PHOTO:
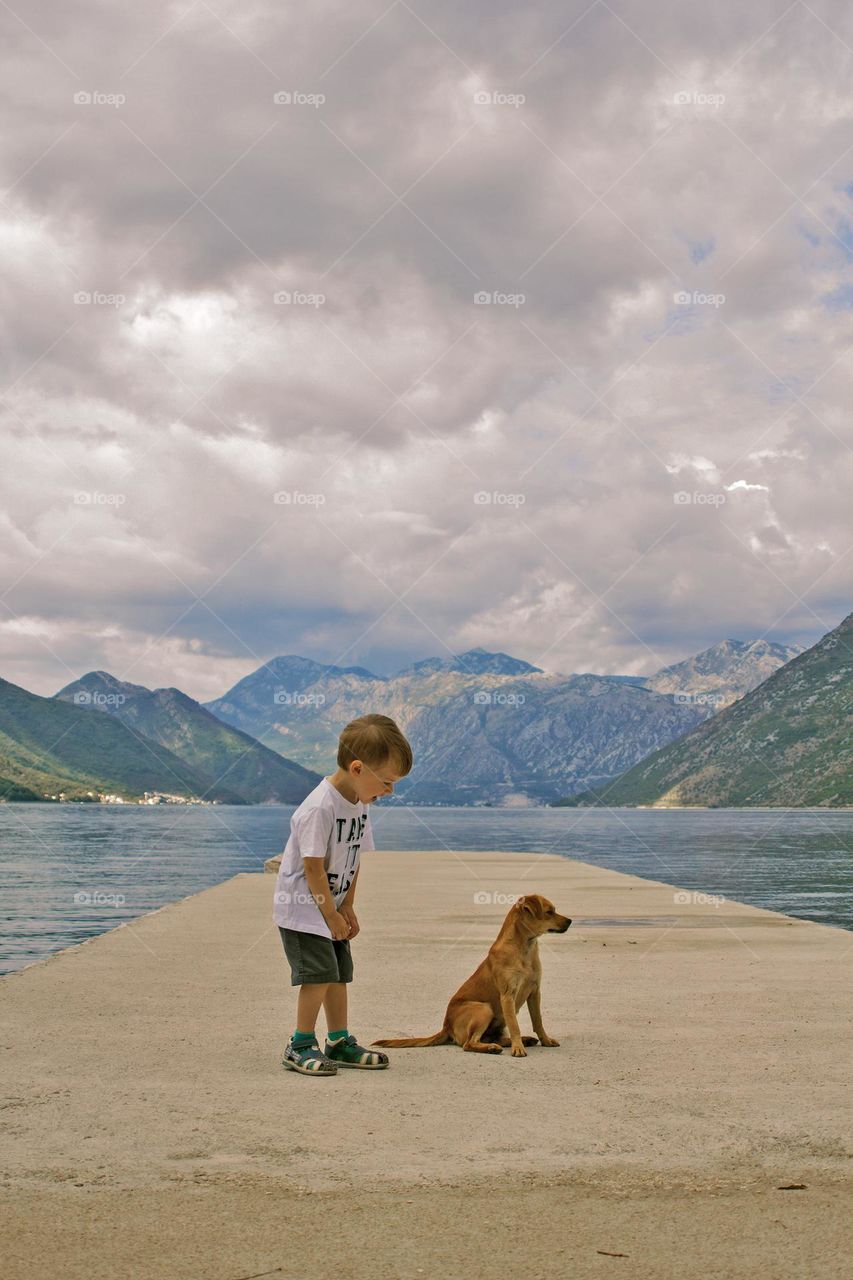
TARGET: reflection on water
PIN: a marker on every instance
(70, 871)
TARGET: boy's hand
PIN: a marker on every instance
(339, 926)
(350, 917)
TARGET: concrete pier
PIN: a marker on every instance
(704, 1065)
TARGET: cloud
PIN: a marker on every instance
(211, 299)
(761, 455)
(703, 468)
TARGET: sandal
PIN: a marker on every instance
(346, 1052)
(308, 1060)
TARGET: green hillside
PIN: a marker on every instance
(48, 746)
(789, 742)
(224, 754)
(10, 790)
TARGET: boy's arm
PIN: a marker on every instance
(318, 884)
(347, 907)
(349, 897)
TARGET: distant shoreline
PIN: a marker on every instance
(437, 804)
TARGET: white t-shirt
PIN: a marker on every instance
(324, 826)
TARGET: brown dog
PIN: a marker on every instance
(481, 1015)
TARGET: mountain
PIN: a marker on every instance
(513, 734)
(723, 673)
(223, 754)
(48, 747)
(285, 692)
(475, 662)
(522, 741)
(488, 727)
(789, 742)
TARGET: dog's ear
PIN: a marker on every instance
(530, 903)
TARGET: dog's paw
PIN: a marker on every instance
(549, 1043)
(529, 1040)
(519, 1052)
(495, 1048)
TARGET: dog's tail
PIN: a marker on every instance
(418, 1042)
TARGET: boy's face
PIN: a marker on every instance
(371, 782)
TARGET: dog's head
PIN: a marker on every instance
(539, 915)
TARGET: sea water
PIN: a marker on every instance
(68, 872)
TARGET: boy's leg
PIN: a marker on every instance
(311, 996)
(335, 1006)
(343, 1048)
(303, 1054)
(313, 966)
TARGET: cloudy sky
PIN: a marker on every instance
(376, 331)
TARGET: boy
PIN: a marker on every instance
(315, 891)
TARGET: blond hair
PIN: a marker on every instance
(374, 739)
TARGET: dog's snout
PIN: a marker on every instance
(564, 926)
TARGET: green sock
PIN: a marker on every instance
(337, 1035)
(301, 1038)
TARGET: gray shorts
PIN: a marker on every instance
(316, 959)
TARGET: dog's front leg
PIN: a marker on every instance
(535, 1011)
(511, 1020)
